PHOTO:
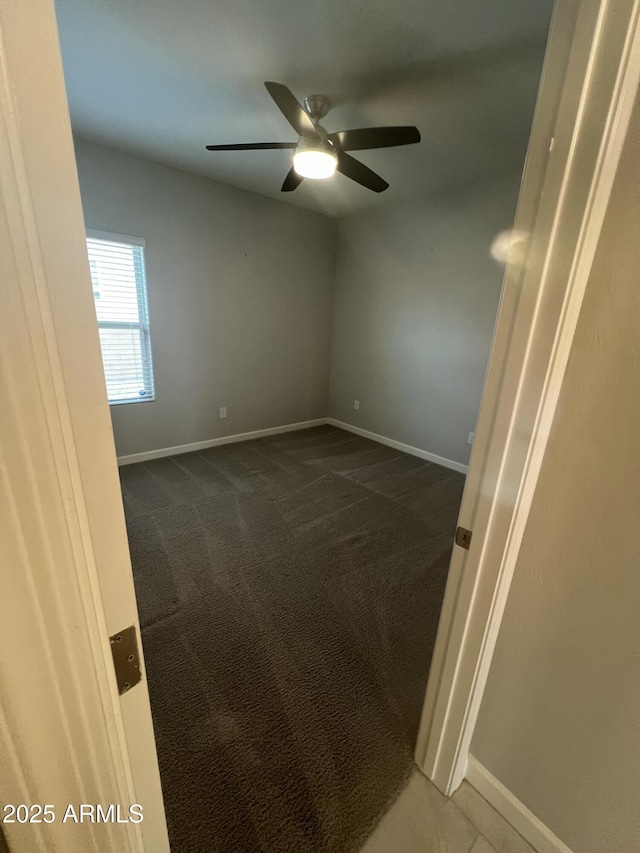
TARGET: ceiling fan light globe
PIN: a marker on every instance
(315, 164)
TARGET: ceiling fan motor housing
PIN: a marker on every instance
(319, 143)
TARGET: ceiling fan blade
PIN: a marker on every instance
(375, 137)
(251, 146)
(292, 181)
(286, 102)
(361, 174)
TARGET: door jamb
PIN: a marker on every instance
(63, 734)
(574, 152)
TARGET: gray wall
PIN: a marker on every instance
(415, 305)
(240, 299)
(560, 720)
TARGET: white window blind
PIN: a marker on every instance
(120, 295)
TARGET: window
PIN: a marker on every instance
(120, 295)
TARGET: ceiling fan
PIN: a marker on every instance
(318, 154)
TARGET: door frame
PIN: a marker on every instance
(588, 89)
(66, 736)
(62, 520)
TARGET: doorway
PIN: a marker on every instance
(92, 464)
(303, 571)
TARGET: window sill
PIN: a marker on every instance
(133, 401)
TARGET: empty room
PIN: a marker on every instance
(297, 222)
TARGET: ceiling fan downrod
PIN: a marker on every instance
(317, 106)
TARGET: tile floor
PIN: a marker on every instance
(423, 821)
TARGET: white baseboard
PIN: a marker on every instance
(512, 810)
(260, 433)
(398, 445)
(216, 442)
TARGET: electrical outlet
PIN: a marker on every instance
(472, 438)
(223, 411)
(356, 405)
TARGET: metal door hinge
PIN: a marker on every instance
(126, 659)
(463, 537)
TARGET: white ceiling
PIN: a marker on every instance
(163, 78)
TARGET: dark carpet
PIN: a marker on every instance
(289, 590)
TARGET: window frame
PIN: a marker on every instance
(143, 314)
